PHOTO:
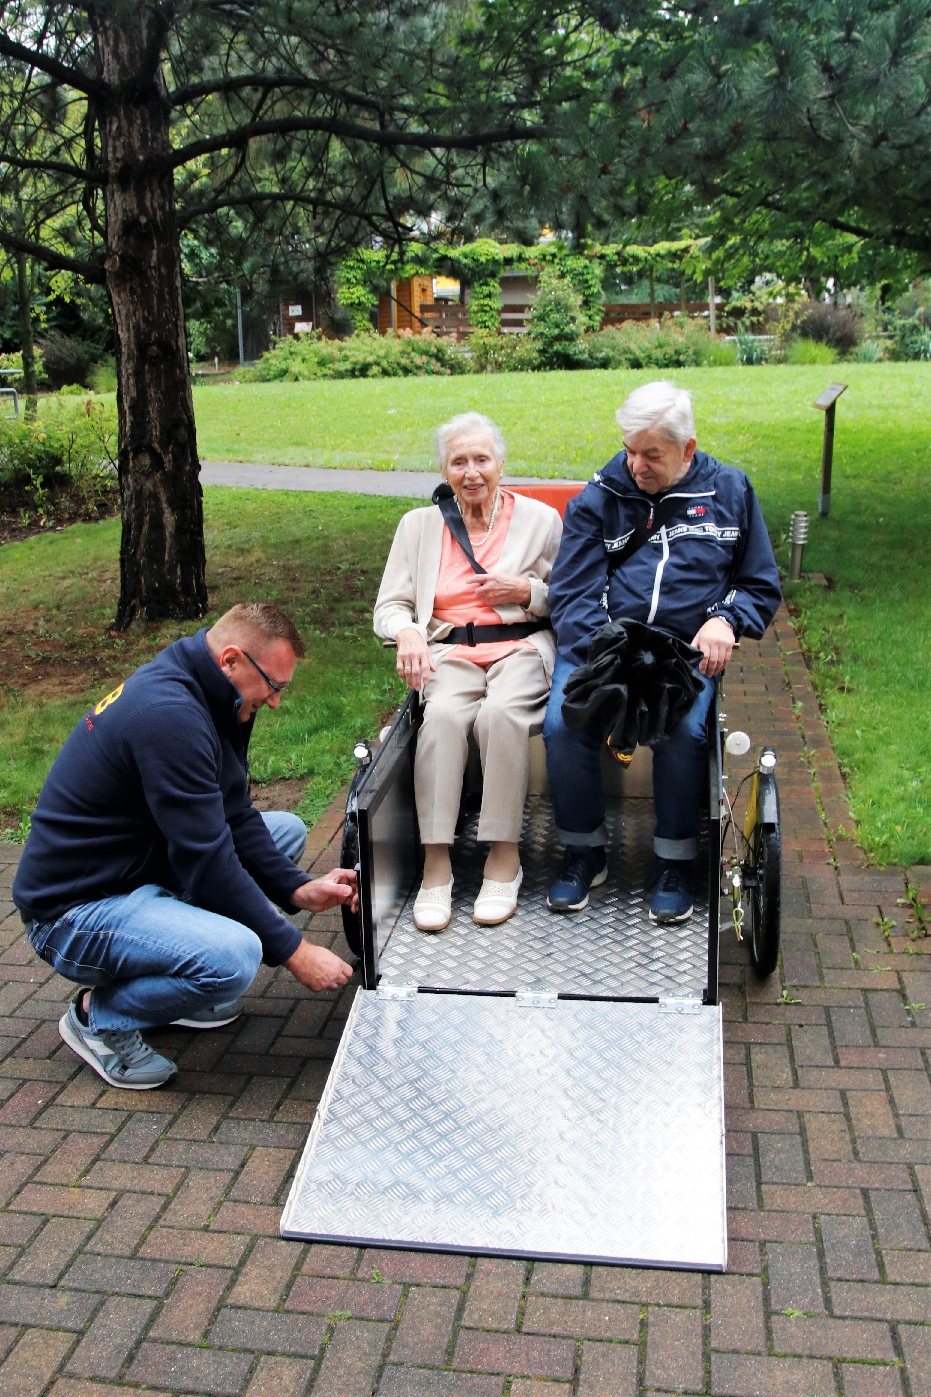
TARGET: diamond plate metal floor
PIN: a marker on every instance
(611, 948)
(580, 1131)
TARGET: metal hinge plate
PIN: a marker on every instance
(389, 991)
(680, 1006)
(536, 999)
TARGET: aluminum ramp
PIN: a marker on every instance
(550, 1088)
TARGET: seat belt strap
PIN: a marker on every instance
(443, 497)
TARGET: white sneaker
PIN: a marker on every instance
(497, 901)
(122, 1059)
(433, 908)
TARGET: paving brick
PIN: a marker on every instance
(608, 1370)
(200, 1117)
(420, 1268)
(869, 1380)
(199, 1248)
(266, 1273)
(255, 1330)
(737, 1375)
(132, 1277)
(25, 1104)
(521, 1355)
(889, 1302)
(195, 1154)
(262, 1175)
(362, 1299)
(324, 1260)
(142, 1178)
(33, 1362)
(557, 1278)
(832, 1338)
(352, 1359)
(22, 1304)
(189, 1308)
(674, 1350)
(426, 1326)
(52, 1250)
(871, 1113)
(645, 1287)
(196, 1200)
(111, 1338)
(587, 1319)
(794, 1277)
(247, 1217)
(137, 1137)
(119, 1233)
(781, 1159)
(190, 1370)
(494, 1294)
(280, 1377)
(737, 1318)
(916, 1346)
(63, 1202)
(898, 1220)
(848, 1249)
(75, 1153)
(411, 1382)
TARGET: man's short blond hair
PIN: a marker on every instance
(255, 622)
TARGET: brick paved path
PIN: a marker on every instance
(138, 1238)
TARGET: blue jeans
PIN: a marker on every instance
(152, 958)
(573, 765)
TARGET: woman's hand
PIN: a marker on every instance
(501, 589)
(414, 663)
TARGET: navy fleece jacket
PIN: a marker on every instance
(152, 787)
(713, 559)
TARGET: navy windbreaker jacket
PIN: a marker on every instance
(152, 787)
(713, 559)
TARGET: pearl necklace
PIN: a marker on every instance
(477, 542)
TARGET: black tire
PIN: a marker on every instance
(765, 898)
(349, 858)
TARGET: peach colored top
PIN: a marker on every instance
(454, 593)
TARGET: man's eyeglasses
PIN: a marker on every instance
(275, 688)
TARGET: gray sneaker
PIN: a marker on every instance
(122, 1059)
(214, 1016)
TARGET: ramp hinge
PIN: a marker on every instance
(536, 999)
(680, 1006)
(388, 991)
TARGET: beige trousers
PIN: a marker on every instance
(501, 703)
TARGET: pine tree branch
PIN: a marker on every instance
(352, 131)
(68, 77)
(50, 167)
(59, 262)
(181, 96)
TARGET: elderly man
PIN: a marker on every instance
(702, 568)
(148, 873)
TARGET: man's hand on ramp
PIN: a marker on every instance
(318, 968)
(334, 890)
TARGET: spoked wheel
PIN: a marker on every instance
(349, 858)
(763, 882)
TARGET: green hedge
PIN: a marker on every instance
(364, 355)
(69, 444)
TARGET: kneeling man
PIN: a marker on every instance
(148, 875)
(704, 571)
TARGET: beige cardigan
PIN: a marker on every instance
(408, 587)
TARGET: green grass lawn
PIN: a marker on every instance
(868, 638)
(319, 556)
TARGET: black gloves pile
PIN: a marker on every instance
(638, 683)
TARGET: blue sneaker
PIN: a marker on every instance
(672, 893)
(582, 868)
(122, 1059)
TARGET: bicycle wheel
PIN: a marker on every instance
(349, 858)
(765, 896)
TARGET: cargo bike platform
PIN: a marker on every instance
(551, 1087)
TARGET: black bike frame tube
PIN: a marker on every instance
(715, 794)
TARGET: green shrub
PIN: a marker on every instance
(363, 355)
(557, 321)
(836, 326)
(14, 360)
(810, 352)
(750, 348)
(500, 353)
(674, 343)
(869, 352)
(68, 445)
(910, 339)
(66, 361)
(103, 375)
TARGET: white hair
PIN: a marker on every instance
(658, 406)
(468, 422)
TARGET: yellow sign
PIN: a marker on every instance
(105, 702)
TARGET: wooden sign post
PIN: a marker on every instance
(827, 402)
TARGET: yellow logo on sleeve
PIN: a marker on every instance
(105, 702)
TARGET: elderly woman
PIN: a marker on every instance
(476, 642)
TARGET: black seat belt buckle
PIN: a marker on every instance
(470, 632)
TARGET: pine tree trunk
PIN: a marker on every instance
(30, 386)
(162, 563)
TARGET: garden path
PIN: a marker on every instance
(139, 1230)
(408, 484)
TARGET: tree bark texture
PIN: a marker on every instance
(24, 296)
(162, 561)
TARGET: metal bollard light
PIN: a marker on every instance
(798, 537)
